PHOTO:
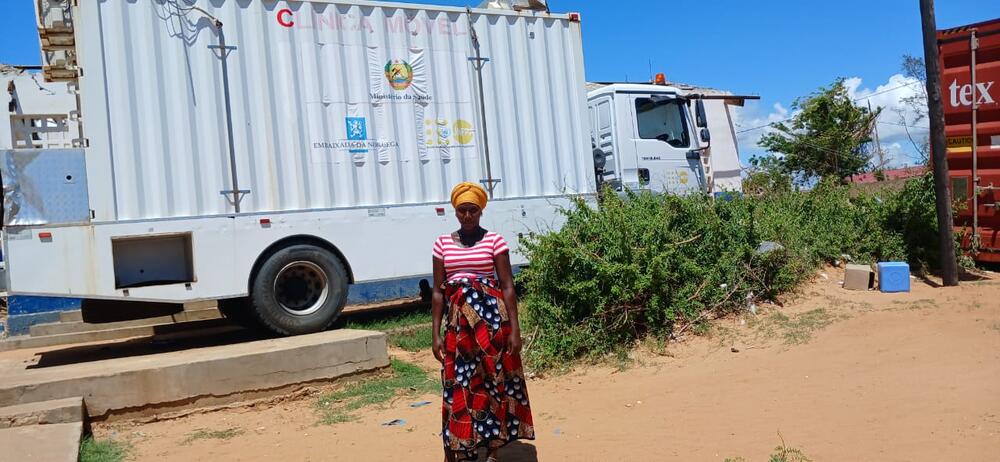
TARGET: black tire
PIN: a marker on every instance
(300, 289)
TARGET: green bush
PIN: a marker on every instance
(646, 264)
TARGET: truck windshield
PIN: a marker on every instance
(662, 120)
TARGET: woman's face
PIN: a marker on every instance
(468, 216)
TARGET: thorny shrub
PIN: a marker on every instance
(651, 265)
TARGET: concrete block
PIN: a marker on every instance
(126, 384)
(70, 316)
(61, 327)
(24, 341)
(858, 277)
(41, 443)
(203, 305)
(58, 411)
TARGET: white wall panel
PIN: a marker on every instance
(159, 119)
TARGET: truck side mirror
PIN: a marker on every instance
(699, 114)
(706, 137)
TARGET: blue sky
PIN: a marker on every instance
(779, 49)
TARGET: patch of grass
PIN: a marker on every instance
(390, 321)
(996, 326)
(849, 304)
(408, 330)
(702, 328)
(797, 329)
(923, 303)
(406, 379)
(92, 450)
(781, 454)
(412, 340)
(203, 434)
(786, 454)
(656, 345)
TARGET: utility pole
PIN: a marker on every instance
(939, 161)
(879, 153)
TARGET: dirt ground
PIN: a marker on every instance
(839, 375)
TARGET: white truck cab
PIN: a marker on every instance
(649, 136)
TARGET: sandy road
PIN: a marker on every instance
(901, 377)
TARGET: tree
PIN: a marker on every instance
(766, 176)
(913, 68)
(825, 138)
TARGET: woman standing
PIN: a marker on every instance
(485, 398)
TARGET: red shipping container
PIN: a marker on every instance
(961, 95)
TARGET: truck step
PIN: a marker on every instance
(58, 328)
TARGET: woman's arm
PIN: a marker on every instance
(437, 309)
(502, 262)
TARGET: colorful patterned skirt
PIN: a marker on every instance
(485, 397)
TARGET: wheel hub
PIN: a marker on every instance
(301, 288)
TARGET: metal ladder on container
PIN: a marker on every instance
(54, 20)
(706, 167)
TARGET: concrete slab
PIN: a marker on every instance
(41, 443)
(62, 327)
(189, 377)
(67, 410)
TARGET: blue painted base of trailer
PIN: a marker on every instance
(380, 291)
(21, 324)
(24, 311)
(29, 304)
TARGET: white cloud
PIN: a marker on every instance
(895, 115)
(750, 128)
(889, 96)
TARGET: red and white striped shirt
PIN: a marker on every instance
(475, 261)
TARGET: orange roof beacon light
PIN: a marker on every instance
(660, 79)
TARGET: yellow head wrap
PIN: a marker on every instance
(468, 193)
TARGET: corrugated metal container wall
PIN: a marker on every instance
(334, 105)
(957, 95)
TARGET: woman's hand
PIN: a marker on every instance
(437, 344)
(514, 342)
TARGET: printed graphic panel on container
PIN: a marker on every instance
(334, 105)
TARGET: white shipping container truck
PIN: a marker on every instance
(667, 138)
(269, 153)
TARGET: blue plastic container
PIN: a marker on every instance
(893, 277)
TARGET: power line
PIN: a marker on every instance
(889, 89)
(905, 125)
(854, 100)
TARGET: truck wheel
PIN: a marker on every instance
(300, 289)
